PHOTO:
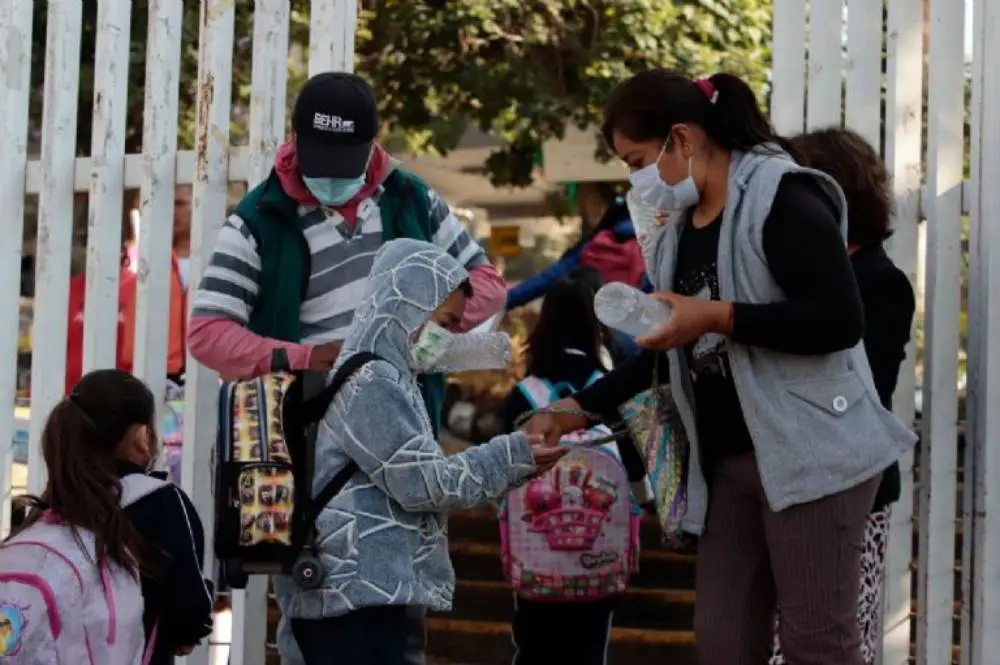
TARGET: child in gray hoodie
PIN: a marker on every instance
(383, 538)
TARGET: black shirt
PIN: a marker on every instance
(722, 430)
(179, 597)
(821, 312)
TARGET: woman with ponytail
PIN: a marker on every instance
(98, 444)
(763, 356)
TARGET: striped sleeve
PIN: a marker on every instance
(451, 236)
(231, 281)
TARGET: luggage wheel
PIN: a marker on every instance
(307, 572)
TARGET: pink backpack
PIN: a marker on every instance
(572, 534)
(58, 608)
(617, 260)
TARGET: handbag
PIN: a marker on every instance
(653, 420)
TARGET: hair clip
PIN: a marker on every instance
(705, 85)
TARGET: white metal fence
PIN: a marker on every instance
(838, 66)
(821, 66)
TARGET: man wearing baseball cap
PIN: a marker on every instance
(291, 263)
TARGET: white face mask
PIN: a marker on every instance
(430, 344)
(660, 195)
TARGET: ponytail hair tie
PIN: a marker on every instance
(705, 85)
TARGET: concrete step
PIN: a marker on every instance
(488, 643)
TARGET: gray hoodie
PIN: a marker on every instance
(383, 539)
(817, 424)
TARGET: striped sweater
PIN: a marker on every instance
(341, 257)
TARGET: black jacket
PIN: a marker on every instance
(889, 304)
(179, 597)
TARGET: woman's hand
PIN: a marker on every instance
(690, 318)
(552, 426)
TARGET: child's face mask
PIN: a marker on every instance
(428, 347)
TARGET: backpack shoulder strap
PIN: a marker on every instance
(315, 408)
(332, 488)
(538, 391)
(138, 485)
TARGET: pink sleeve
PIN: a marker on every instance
(236, 353)
(489, 296)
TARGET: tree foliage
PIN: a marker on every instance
(522, 70)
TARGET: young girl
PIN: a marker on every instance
(94, 441)
(564, 349)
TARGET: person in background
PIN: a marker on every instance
(889, 305)
(610, 247)
(383, 539)
(128, 295)
(765, 365)
(291, 263)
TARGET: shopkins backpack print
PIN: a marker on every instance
(571, 534)
(58, 608)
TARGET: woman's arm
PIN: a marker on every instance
(604, 396)
(222, 304)
(537, 285)
(402, 459)
(805, 252)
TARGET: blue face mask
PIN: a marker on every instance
(334, 191)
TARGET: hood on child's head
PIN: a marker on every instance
(409, 279)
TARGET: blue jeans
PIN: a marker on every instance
(367, 636)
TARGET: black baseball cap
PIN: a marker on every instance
(335, 121)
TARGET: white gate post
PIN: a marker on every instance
(159, 166)
(209, 193)
(939, 451)
(863, 92)
(267, 129)
(826, 63)
(55, 224)
(903, 154)
(332, 26)
(982, 534)
(788, 69)
(107, 175)
(15, 81)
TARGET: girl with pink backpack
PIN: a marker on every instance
(569, 538)
(106, 568)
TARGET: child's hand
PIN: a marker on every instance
(545, 456)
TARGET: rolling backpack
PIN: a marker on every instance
(265, 511)
(571, 534)
(58, 608)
